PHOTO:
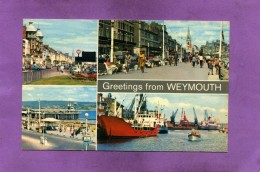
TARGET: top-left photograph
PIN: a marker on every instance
(59, 52)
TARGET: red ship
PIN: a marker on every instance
(112, 125)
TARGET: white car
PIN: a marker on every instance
(75, 70)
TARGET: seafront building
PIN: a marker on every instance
(213, 48)
(134, 36)
(35, 52)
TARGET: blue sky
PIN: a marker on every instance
(59, 93)
(66, 35)
(201, 31)
(217, 105)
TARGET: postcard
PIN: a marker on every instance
(145, 85)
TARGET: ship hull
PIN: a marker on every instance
(115, 127)
(209, 127)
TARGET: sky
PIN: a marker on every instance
(201, 31)
(59, 93)
(66, 35)
(215, 104)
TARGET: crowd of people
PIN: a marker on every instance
(174, 58)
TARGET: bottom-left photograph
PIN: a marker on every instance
(59, 118)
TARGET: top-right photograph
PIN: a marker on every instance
(163, 50)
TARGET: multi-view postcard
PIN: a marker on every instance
(125, 85)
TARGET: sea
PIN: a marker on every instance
(85, 107)
(175, 140)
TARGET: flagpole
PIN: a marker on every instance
(163, 42)
(220, 40)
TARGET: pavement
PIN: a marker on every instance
(55, 141)
(183, 71)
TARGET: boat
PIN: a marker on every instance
(163, 126)
(209, 123)
(111, 123)
(184, 123)
(115, 127)
(194, 136)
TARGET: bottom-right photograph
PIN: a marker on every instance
(162, 122)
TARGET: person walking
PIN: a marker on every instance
(210, 67)
(171, 59)
(201, 61)
(197, 59)
(217, 66)
(141, 61)
(175, 58)
(194, 61)
(190, 57)
(127, 61)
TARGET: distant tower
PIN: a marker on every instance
(188, 42)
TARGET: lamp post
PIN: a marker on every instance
(28, 117)
(39, 114)
(148, 50)
(86, 115)
(112, 41)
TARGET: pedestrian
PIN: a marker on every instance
(175, 58)
(194, 61)
(197, 59)
(207, 60)
(210, 67)
(217, 66)
(190, 57)
(170, 59)
(141, 61)
(127, 61)
(201, 61)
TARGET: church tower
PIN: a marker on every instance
(188, 42)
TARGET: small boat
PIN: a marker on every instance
(194, 136)
(209, 123)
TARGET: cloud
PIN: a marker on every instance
(155, 101)
(223, 111)
(209, 33)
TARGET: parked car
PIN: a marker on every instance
(35, 67)
(75, 70)
(51, 128)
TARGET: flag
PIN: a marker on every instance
(222, 35)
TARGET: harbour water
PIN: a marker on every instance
(175, 140)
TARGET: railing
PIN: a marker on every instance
(30, 76)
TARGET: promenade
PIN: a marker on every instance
(183, 71)
(55, 141)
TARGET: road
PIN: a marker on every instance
(183, 71)
(31, 141)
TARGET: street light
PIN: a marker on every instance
(112, 41)
(28, 117)
(86, 115)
